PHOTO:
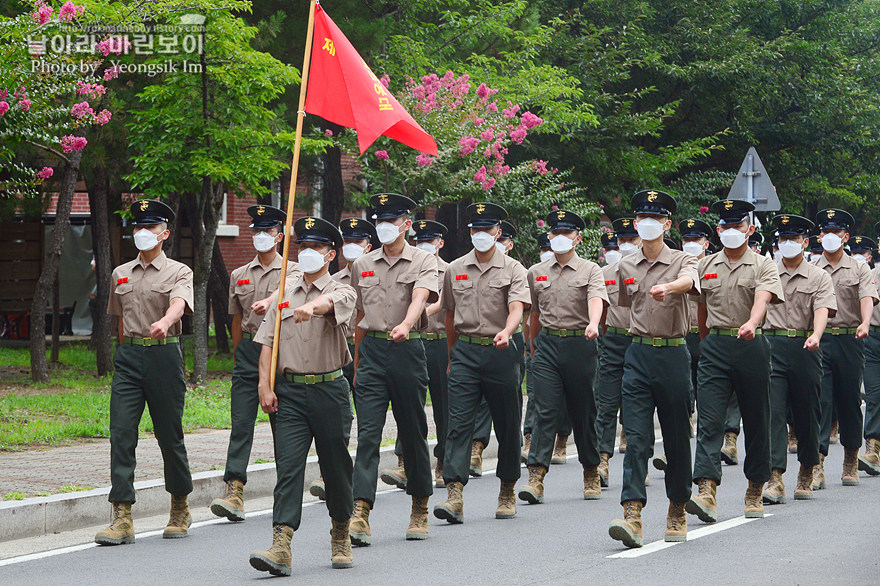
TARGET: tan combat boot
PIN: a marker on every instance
(704, 505)
(804, 489)
(533, 491)
(774, 493)
(316, 488)
(754, 508)
(395, 477)
(870, 461)
(418, 519)
(230, 506)
(180, 520)
(660, 462)
(629, 529)
(835, 432)
(850, 476)
(275, 560)
(506, 501)
(603, 468)
(121, 529)
(359, 526)
(527, 444)
(438, 474)
(728, 450)
(792, 440)
(648, 478)
(622, 446)
(676, 523)
(340, 544)
(819, 474)
(453, 509)
(592, 484)
(476, 469)
(560, 450)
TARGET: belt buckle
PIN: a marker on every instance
(310, 379)
(486, 341)
(835, 331)
(146, 342)
(563, 333)
(792, 333)
(656, 342)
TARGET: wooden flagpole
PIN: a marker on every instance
(291, 196)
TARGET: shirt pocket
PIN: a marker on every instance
(578, 290)
(288, 326)
(496, 292)
(370, 291)
(848, 289)
(123, 291)
(163, 292)
(245, 294)
(404, 288)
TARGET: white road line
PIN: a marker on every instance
(692, 535)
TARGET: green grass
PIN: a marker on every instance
(14, 496)
(71, 488)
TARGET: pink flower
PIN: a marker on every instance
(80, 110)
(72, 143)
(483, 91)
(328, 132)
(45, 173)
(540, 223)
(3, 94)
(102, 118)
(554, 208)
(489, 184)
(115, 45)
(492, 107)
(480, 176)
(385, 80)
(529, 120)
(4, 107)
(42, 15)
(424, 160)
(518, 135)
(95, 90)
(467, 144)
(479, 122)
(704, 209)
(111, 73)
(511, 111)
(25, 104)
(69, 11)
(541, 168)
(382, 155)
(488, 134)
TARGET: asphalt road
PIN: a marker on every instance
(831, 539)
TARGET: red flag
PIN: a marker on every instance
(343, 90)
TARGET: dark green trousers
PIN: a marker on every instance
(307, 412)
(843, 363)
(529, 418)
(483, 423)
(656, 378)
(348, 369)
(728, 364)
(693, 345)
(477, 372)
(437, 356)
(244, 405)
(609, 379)
(395, 373)
(872, 386)
(151, 376)
(795, 378)
(564, 371)
(734, 416)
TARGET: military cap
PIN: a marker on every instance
(564, 220)
(815, 245)
(732, 211)
(357, 228)
(834, 219)
(671, 243)
(507, 231)
(653, 202)
(265, 216)
(789, 225)
(428, 230)
(861, 244)
(149, 212)
(313, 229)
(543, 240)
(624, 227)
(608, 240)
(756, 239)
(485, 215)
(694, 228)
(388, 206)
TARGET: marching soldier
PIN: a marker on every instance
(393, 285)
(150, 295)
(843, 354)
(861, 248)
(567, 300)
(251, 292)
(654, 283)
(794, 329)
(485, 293)
(310, 399)
(736, 286)
(870, 460)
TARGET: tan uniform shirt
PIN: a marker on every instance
(852, 282)
(385, 286)
(478, 297)
(637, 275)
(318, 345)
(344, 277)
(875, 317)
(616, 316)
(141, 295)
(437, 322)
(728, 290)
(561, 292)
(806, 288)
(251, 283)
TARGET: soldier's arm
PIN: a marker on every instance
(866, 307)
(414, 311)
(820, 320)
(534, 327)
(268, 400)
(236, 331)
(759, 309)
(159, 329)
(702, 318)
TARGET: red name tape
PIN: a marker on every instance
(283, 305)
(710, 276)
(540, 278)
(244, 282)
(368, 273)
(629, 281)
(610, 282)
(122, 280)
(461, 277)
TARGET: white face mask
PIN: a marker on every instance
(649, 228)
(310, 260)
(561, 244)
(612, 256)
(387, 232)
(483, 241)
(692, 248)
(546, 255)
(427, 247)
(351, 251)
(145, 240)
(831, 242)
(790, 248)
(501, 248)
(861, 258)
(733, 238)
(628, 248)
(263, 241)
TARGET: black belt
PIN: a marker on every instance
(150, 341)
(658, 342)
(311, 379)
